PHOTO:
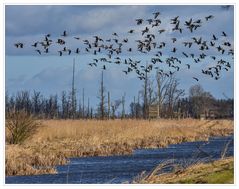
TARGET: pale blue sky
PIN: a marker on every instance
(52, 74)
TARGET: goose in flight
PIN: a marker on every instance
(213, 57)
(175, 19)
(185, 54)
(156, 14)
(47, 50)
(35, 44)
(77, 50)
(196, 78)
(174, 40)
(150, 21)
(60, 53)
(188, 23)
(209, 17)
(64, 34)
(38, 51)
(139, 21)
(212, 44)
(214, 37)
(18, 45)
(60, 41)
(224, 34)
(198, 21)
(162, 30)
(125, 72)
(69, 51)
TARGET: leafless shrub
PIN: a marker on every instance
(20, 126)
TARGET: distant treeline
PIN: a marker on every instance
(66, 106)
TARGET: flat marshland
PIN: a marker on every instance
(57, 140)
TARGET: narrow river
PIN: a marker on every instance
(119, 169)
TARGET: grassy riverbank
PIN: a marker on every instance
(58, 139)
(217, 172)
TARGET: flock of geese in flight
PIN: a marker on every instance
(149, 44)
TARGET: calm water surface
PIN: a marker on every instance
(118, 169)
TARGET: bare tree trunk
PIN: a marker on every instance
(91, 113)
(123, 107)
(138, 106)
(146, 96)
(88, 109)
(102, 96)
(80, 109)
(134, 116)
(113, 112)
(83, 103)
(108, 105)
(159, 96)
(73, 103)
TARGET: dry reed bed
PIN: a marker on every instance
(57, 140)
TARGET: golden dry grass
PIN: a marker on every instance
(24, 161)
(59, 139)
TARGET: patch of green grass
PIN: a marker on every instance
(222, 177)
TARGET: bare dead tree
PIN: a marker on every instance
(114, 106)
(22, 101)
(36, 102)
(173, 95)
(52, 107)
(201, 101)
(162, 84)
(152, 98)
